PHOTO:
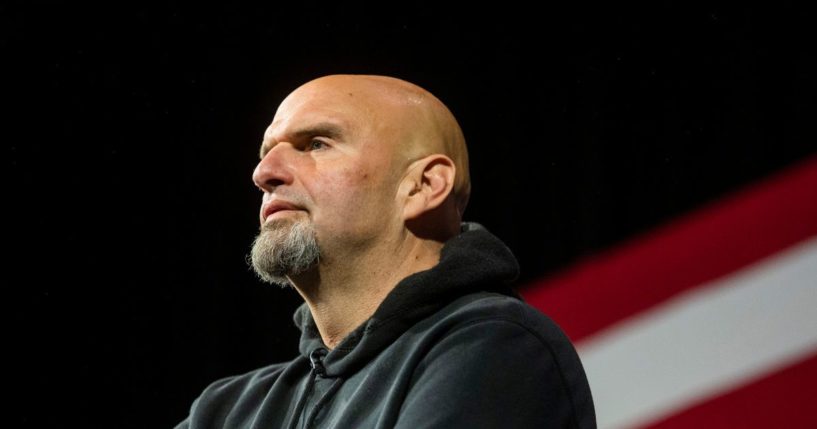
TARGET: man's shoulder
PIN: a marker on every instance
(236, 386)
(492, 319)
(491, 306)
(226, 401)
(498, 349)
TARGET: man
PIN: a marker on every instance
(408, 320)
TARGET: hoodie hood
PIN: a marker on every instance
(475, 260)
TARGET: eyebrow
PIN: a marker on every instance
(327, 129)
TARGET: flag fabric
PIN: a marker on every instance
(708, 321)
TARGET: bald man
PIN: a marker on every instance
(408, 319)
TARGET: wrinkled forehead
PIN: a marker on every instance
(360, 112)
(305, 107)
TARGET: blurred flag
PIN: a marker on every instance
(710, 321)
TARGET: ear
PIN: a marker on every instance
(427, 185)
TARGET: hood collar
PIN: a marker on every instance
(475, 260)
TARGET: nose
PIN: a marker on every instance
(275, 168)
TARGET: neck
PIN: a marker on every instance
(342, 293)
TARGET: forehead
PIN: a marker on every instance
(308, 106)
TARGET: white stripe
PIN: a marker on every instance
(706, 341)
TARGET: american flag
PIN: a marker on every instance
(708, 321)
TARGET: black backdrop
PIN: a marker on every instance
(131, 131)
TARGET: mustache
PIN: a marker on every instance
(292, 198)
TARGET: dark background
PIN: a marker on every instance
(131, 132)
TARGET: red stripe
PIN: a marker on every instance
(784, 399)
(703, 246)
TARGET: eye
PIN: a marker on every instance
(316, 144)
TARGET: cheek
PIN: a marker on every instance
(356, 192)
(356, 186)
(332, 192)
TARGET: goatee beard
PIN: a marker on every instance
(284, 247)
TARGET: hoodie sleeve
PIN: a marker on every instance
(499, 373)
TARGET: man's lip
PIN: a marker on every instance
(276, 206)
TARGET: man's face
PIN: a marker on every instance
(328, 160)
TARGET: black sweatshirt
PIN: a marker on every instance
(450, 347)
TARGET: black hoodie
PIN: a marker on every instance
(450, 347)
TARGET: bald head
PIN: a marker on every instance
(411, 121)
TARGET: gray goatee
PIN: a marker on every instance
(284, 247)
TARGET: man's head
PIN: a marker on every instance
(353, 162)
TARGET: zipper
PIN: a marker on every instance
(316, 362)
